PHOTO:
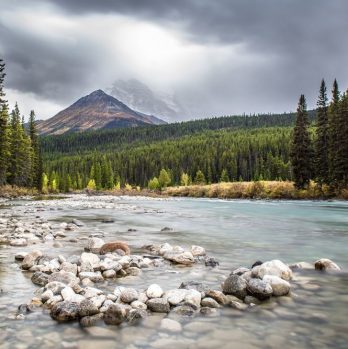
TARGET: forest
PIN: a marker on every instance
(302, 147)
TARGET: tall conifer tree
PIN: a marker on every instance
(301, 147)
(334, 133)
(322, 140)
(4, 144)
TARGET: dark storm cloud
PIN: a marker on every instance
(288, 45)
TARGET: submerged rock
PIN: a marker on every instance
(326, 264)
(236, 286)
(92, 320)
(211, 262)
(171, 325)
(134, 316)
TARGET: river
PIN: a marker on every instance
(236, 232)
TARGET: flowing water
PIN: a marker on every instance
(237, 233)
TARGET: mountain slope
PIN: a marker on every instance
(140, 97)
(95, 111)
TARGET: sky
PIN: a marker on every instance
(221, 56)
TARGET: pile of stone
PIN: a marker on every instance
(23, 233)
(179, 255)
(88, 268)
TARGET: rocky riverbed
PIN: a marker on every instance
(115, 295)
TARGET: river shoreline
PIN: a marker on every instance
(260, 190)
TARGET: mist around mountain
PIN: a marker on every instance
(140, 97)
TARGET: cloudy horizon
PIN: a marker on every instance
(222, 57)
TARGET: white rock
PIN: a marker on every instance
(154, 291)
(94, 244)
(47, 295)
(68, 294)
(193, 297)
(19, 242)
(171, 325)
(165, 248)
(118, 291)
(138, 305)
(108, 264)
(90, 292)
(128, 295)
(175, 296)
(274, 267)
(98, 300)
(109, 274)
(197, 251)
(91, 258)
(185, 258)
(279, 286)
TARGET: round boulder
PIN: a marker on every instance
(259, 289)
(236, 286)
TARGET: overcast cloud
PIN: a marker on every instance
(222, 56)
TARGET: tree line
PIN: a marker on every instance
(324, 157)
(20, 155)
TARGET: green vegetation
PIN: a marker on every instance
(20, 157)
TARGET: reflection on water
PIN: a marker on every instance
(235, 232)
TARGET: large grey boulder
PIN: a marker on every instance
(65, 311)
(115, 315)
(158, 305)
(259, 289)
(64, 277)
(39, 278)
(236, 286)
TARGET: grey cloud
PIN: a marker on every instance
(292, 44)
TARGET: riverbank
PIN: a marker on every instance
(256, 190)
(273, 190)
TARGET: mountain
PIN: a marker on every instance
(140, 97)
(97, 110)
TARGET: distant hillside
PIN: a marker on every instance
(95, 111)
(121, 138)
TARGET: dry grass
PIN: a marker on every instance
(7, 191)
(255, 190)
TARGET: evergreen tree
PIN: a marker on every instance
(2, 78)
(20, 150)
(36, 161)
(334, 133)
(4, 144)
(341, 165)
(322, 140)
(154, 184)
(301, 147)
(224, 176)
(199, 178)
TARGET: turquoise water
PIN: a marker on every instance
(236, 232)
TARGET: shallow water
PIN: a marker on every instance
(237, 233)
